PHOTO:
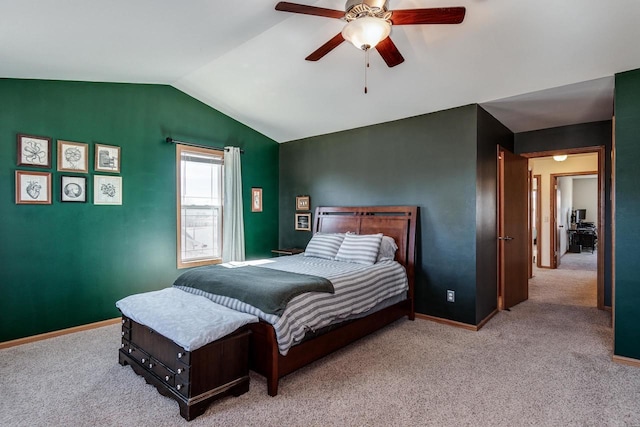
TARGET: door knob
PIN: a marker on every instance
(505, 238)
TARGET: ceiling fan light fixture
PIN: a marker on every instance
(366, 32)
(560, 157)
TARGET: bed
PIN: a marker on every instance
(398, 222)
(266, 354)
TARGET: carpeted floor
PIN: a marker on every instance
(574, 283)
(546, 362)
(583, 261)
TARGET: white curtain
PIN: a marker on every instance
(232, 219)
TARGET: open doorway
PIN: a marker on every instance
(567, 215)
(514, 180)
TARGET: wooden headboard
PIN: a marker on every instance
(398, 222)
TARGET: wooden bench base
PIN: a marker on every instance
(193, 378)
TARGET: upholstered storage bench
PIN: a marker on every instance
(194, 376)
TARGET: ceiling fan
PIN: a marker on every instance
(369, 24)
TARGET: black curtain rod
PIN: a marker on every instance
(191, 144)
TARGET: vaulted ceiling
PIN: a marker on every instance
(532, 64)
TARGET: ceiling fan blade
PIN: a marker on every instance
(285, 6)
(440, 15)
(389, 52)
(326, 48)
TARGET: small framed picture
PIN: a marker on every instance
(33, 188)
(73, 156)
(302, 203)
(34, 151)
(73, 188)
(107, 190)
(107, 158)
(303, 221)
(256, 200)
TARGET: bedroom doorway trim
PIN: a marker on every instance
(601, 221)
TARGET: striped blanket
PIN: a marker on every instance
(358, 288)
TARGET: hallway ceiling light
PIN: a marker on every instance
(560, 158)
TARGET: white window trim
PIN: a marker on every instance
(179, 150)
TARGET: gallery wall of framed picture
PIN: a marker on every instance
(71, 179)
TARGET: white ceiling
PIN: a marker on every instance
(533, 64)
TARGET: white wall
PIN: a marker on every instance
(585, 196)
(545, 166)
(565, 184)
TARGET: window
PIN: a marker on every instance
(199, 205)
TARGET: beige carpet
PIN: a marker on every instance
(583, 261)
(572, 284)
(546, 362)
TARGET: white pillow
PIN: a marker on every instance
(388, 249)
(359, 248)
(324, 245)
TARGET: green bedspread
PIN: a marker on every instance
(264, 288)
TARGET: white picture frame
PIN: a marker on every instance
(107, 190)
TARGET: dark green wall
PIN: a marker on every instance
(627, 215)
(66, 264)
(594, 134)
(429, 161)
(582, 135)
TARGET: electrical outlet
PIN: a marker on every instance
(451, 296)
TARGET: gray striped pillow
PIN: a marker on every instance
(360, 249)
(324, 245)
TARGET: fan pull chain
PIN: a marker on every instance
(366, 65)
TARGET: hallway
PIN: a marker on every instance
(574, 283)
